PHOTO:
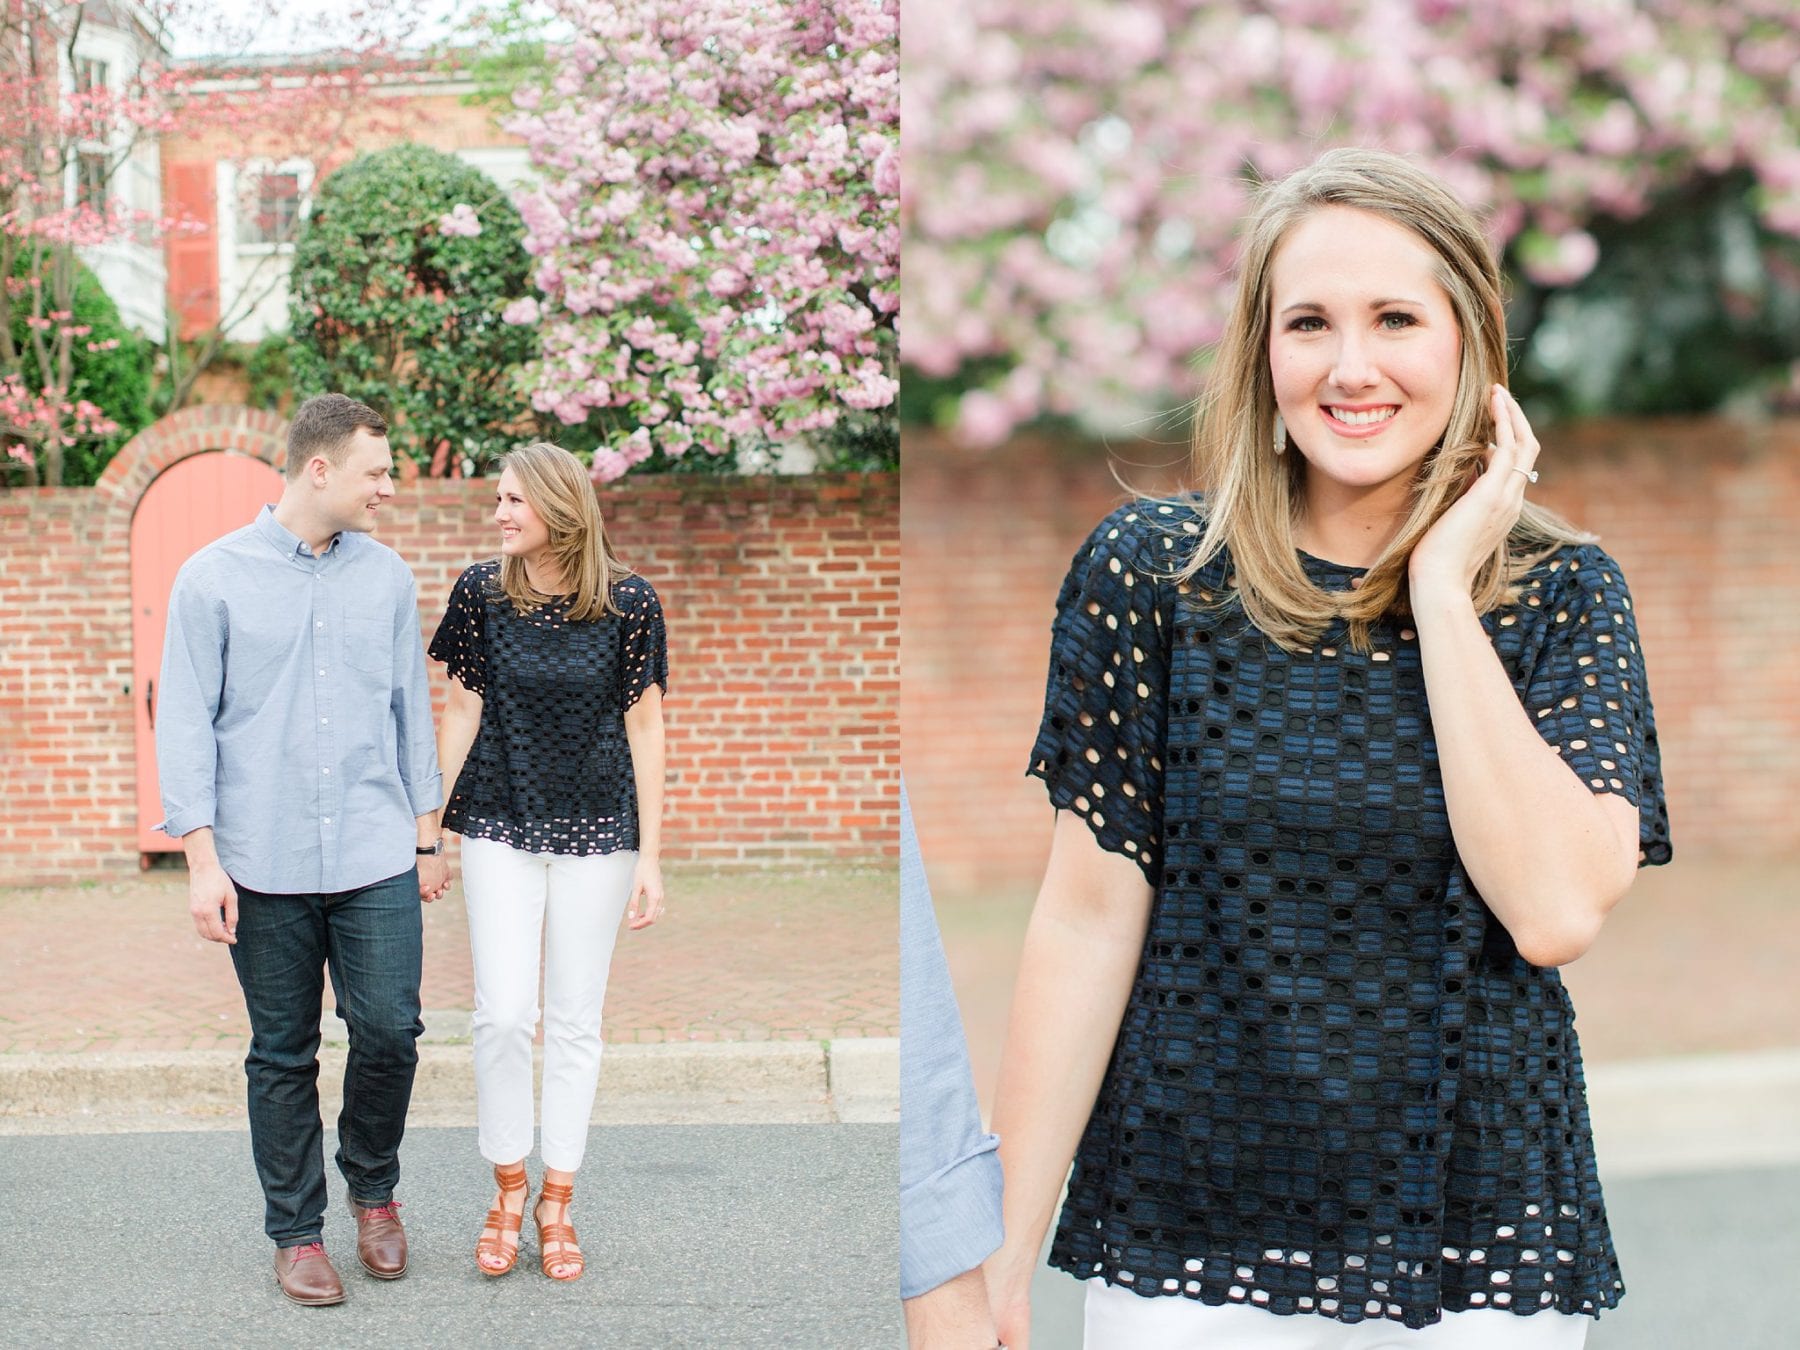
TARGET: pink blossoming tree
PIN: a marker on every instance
(716, 237)
(1076, 170)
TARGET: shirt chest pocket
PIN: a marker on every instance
(369, 646)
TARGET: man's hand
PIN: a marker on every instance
(434, 876)
(212, 902)
(954, 1316)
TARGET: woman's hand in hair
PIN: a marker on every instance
(646, 904)
(1478, 522)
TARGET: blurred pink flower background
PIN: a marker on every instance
(1075, 169)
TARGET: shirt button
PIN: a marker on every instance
(323, 721)
(318, 623)
(321, 672)
(328, 820)
(324, 770)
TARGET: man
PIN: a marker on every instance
(949, 1171)
(298, 769)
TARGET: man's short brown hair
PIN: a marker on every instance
(324, 426)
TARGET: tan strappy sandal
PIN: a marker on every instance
(502, 1221)
(563, 1234)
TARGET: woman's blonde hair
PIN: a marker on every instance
(562, 494)
(1252, 495)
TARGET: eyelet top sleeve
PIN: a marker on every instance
(461, 638)
(644, 658)
(1100, 745)
(1588, 694)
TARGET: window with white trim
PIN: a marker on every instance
(91, 173)
(268, 206)
(90, 74)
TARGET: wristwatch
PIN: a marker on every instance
(433, 851)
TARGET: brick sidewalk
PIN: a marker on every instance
(741, 956)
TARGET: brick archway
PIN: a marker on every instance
(191, 431)
(178, 439)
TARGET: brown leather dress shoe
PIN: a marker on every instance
(306, 1275)
(380, 1240)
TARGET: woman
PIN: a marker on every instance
(1348, 757)
(553, 737)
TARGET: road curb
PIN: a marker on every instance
(1695, 1113)
(864, 1077)
(730, 1082)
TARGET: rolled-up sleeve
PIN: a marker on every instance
(949, 1170)
(416, 738)
(189, 687)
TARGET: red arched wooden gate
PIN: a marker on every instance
(188, 506)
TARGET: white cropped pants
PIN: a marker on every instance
(1118, 1319)
(569, 908)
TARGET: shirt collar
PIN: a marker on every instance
(285, 541)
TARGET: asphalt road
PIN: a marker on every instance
(1709, 1262)
(696, 1235)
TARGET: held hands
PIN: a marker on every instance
(646, 904)
(1009, 1294)
(434, 877)
(213, 903)
(1466, 535)
(1013, 1324)
(954, 1315)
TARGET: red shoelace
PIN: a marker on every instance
(388, 1211)
(306, 1249)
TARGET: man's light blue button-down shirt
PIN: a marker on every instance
(949, 1171)
(293, 713)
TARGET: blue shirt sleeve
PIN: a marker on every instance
(949, 1170)
(188, 690)
(415, 734)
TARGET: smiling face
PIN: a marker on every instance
(1364, 349)
(523, 533)
(353, 492)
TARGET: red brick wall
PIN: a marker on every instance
(65, 679)
(1704, 516)
(782, 596)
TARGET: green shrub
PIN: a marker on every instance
(391, 310)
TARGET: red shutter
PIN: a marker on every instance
(193, 255)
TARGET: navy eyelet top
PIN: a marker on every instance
(1337, 1088)
(550, 769)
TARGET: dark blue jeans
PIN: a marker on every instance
(372, 940)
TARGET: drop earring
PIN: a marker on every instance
(1280, 435)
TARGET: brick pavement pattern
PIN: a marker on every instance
(741, 955)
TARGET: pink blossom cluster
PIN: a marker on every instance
(1076, 170)
(612, 462)
(460, 220)
(32, 418)
(716, 236)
